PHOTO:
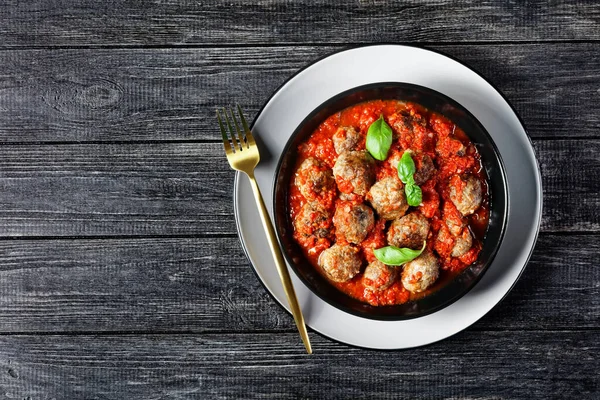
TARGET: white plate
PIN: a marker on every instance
(351, 68)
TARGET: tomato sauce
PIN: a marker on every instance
(452, 153)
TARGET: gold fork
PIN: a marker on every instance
(242, 154)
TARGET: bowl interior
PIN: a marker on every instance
(450, 291)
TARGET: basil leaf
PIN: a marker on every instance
(406, 171)
(414, 195)
(406, 167)
(379, 139)
(396, 256)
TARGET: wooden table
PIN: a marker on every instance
(121, 274)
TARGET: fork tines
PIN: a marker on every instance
(239, 139)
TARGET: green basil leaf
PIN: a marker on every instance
(379, 139)
(396, 256)
(414, 195)
(406, 171)
(406, 167)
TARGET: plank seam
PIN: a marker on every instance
(256, 332)
(122, 237)
(111, 142)
(216, 141)
(225, 235)
(293, 44)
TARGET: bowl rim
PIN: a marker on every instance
(451, 299)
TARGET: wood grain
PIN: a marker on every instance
(115, 189)
(207, 285)
(569, 186)
(170, 94)
(120, 273)
(141, 189)
(477, 365)
(174, 23)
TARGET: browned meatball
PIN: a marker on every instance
(453, 218)
(406, 121)
(462, 243)
(447, 146)
(353, 222)
(425, 168)
(423, 163)
(387, 198)
(340, 263)
(378, 276)
(313, 220)
(465, 193)
(354, 172)
(314, 178)
(443, 241)
(420, 273)
(455, 226)
(409, 231)
(346, 138)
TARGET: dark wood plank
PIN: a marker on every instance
(163, 23)
(480, 365)
(186, 189)
(171, 94)
(207, 285)
(571, 188)
(115, 189)
(132, 285)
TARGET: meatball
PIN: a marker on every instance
(423, 163)
(387, 198)
(378, 276)
(465, 193)
(409, 231)
(406, 121)
(353, 222)
(313, 220)
(340, 263)
(346, 138)
(444, 242)
(452, 218)
(354, 172)
(420, 273)
(447, 147)
(425, 168)
(462, 244)
(314, 179)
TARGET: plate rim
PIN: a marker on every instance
(538, 179)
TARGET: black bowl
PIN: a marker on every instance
(450, 291)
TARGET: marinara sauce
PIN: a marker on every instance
(421, 131)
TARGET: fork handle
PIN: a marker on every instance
(284, 274)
